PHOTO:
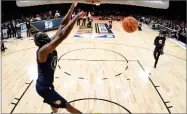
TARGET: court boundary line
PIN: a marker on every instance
(165, 102)
(19, 99)
(105, 60)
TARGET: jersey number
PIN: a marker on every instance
(54, 63)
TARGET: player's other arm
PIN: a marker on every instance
(66, 19)
(156, 40)
(164, 41)
(63, 33)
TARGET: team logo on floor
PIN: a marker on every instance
(101, 31)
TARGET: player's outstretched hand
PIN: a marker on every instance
(75, 4)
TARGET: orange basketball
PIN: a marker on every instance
(130, 24)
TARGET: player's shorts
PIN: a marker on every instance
(50, 96)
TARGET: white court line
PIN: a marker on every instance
(179, 43)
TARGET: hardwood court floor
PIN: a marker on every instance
(105, 75)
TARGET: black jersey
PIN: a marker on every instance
(46, 70)
(159, 41)
(28, 24)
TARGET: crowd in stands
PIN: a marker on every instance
(171, 24)
(45, 16)
(175, 28)
(13, 26)
(14, 30)
(178, 26)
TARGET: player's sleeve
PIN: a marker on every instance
(164, 41)
(155, 41)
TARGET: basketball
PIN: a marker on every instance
(130, 24)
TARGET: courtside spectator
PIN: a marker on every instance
(57, 14)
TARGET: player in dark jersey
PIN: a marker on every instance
(140, 27)
(28, 25)
(47, 61)
(110, 24)
(159, 43)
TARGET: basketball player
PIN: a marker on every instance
(89, 16)
(84, 21)
(28, 25)
(79, 20)
(159, 43)
(90, 23)
(110, 24)
(3, 46)
(47, 61)
(140, 27)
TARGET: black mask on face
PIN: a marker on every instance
(41, 39)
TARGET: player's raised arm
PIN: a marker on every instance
(66, 19)
(61, 35)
